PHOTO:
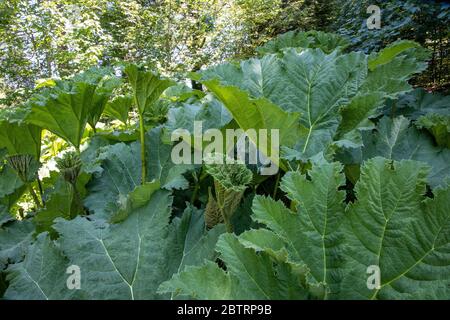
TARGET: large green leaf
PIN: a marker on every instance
(311, 235)
(20, 138)
(392, 67)
(438, 126)
(205, 282)
(208, 110)
(11, 199)
(419, 103)
(9, 181)
(327, 42)
(41, 276)
(291, 39)
(160, 164)
(147, 86)
(388, 54)
(191, 244)
(119, 107)
(256, 114)
(65, 112)
(181, 92)
(129, 260)
(389, 72)
(105, 81)
(91, 150)
(392, 227)
(15, 237)
(250, 275)
(318, 85)
(134, 200)
(66, 108)
(429, 110)
(63, 203)
(311, 83)
(118, 176)
(395, 139)
(356, 115)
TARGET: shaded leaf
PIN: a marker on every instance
(41, 276)
(119, 107)
(392, 227)
(133, 257)
(118, 176)
(249, 276)
(160, 164)
(396, 140)
(15, 237)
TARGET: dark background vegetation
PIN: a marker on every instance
(42, 39)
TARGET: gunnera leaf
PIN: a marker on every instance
(42, 275)
(126, 260)
(15, 237)
(249, 275)
(396, 139)
(315, 86)
(391, 226)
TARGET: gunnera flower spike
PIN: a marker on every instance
(26, 167)
(69, 166)
(231, 178)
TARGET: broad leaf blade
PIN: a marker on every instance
(135, 256)
(391, 227)
(20, 138)
(120, 174)
(15, 238)
(250, 275)
(160, 164)
(41, 276)
(147, 87)
(396, 140)
(65, 113)
(119, 107)
(312, 235)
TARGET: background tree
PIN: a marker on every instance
(426, 22)
(41, 39)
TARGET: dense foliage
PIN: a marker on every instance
(87, 180)
(426, 22)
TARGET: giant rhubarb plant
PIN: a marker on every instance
(70, 105)
(315, 86)
(147, 88)
(324, 248)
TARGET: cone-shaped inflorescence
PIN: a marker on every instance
(26, 166)
(69, 166)
(231, 178)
